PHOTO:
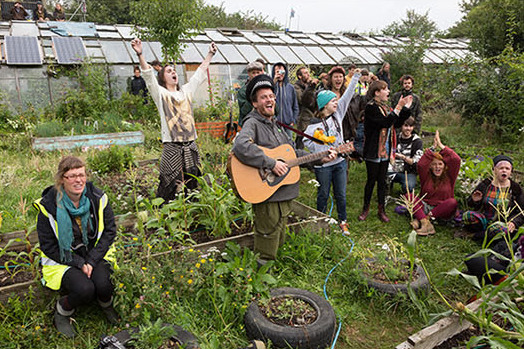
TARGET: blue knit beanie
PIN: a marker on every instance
(324, 97)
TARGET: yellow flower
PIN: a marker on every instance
(210, 259)
(135, 239)
(191, 250)
(160, 286)
(244, 306)
(250, 279)
(167, 292)
(149, 245)
(189, 281)
(121, 285)
(37, 328)
(197, 265)
(181, 276)
(137, 305)
(202, 261)
(241, 269)
(191, 271)
(152, 277)
(144, 268)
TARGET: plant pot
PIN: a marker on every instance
(420, 283)
(316, 335)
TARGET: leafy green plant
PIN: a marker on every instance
(112, 159)
(152, 334)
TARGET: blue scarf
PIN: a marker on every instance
(64, 210)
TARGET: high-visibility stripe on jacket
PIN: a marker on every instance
(53, 271)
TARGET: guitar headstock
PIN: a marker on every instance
(345, 148)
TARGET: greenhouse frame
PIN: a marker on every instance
(31, 51)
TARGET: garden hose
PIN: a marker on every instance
(329, 274)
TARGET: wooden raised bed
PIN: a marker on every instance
(216, 129)
(313, 220)
(442, 330)
(101, 140)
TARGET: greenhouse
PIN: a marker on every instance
(32, 53)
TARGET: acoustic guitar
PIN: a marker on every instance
(255, 185)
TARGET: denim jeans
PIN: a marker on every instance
(401, 178)
(359, 138)
(335, 175)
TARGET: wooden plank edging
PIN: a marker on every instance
(445, 328)
(88, 141)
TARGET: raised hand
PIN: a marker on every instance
(136, 44)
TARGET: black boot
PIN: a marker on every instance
(110, 312)
(62, 321)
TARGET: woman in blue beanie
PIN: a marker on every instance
(331, 111)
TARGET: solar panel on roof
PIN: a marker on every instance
(69, 50)
(22, 50)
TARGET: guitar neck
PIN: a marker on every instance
(307, 158)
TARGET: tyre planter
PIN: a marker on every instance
(421, 283)
(181, 338)
(316, 335)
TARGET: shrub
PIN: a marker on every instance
(112, 159)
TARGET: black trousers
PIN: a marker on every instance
(376, 173)
(82, 290)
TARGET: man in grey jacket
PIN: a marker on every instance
(260, 129)
(286, 97)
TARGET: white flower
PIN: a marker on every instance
(330, 220)
(385, 247)
(315, 183)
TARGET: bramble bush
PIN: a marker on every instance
(112, 159)
(491, 95)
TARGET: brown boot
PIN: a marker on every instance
(426, 228)
(364, 214)
(382, 214)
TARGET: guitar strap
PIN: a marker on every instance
(300, 133)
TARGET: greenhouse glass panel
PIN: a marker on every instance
(334, 53)
(44, 33)
(34, 92)
(366, 56)
(126, 31)
(231, 53)
(191, 55)
(9, 91)
(321, 55)
(100, 27)
(109, 35)
(251, 36)
(238, 39)
(432, 56)
(304, 55)
(60, 87)
(115, 52)
(216, 36)
(94, 52)
(201, 37)
(24, 29)
(275, 40)
(288, 39)
(319, 40)
(146, 51)
(36, 73)
(289, 56)
(249, 52)
(307, 42)
(378, 52)
(119, 79)
(269, 54)
(204, 49)
(157, 50)
(350, 55)
(337, 43)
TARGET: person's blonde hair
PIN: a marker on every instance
(67, 163)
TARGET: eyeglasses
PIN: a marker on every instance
(75, 176)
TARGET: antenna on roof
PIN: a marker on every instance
(81, 7)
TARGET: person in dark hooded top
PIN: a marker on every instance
(286, 97)
(261, 130)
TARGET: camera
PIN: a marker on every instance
(110, 342)
(282, 71)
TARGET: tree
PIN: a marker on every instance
(414, 25)
(168, 22)
(216, 17)
(492, 25)
(103, 11)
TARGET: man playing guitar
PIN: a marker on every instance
(261, 130)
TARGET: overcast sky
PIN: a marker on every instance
(346, 15)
